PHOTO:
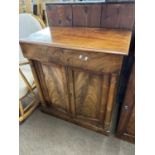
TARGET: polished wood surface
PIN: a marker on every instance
(86, 15)
(126, 126)
(118, 16)
(56, 83)
(87, 94)
(89, 39)
(105, 15)
(78, 95)
(59, 15)
(96, 62)
(77, 70)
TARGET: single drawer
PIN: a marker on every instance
(89, 60)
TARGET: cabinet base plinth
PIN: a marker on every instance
(66, 117)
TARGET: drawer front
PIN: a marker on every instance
(93, 61)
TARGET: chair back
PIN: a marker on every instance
(27, 25)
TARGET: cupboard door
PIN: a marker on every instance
(56, 84)
(93, 97)
(126, 126)
(87, 95)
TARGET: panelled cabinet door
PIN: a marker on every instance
(55, 81)
(93, 97)
(86, 97)
(87, 88)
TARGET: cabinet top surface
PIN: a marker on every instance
(102, 40)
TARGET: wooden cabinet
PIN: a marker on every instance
(126, 127)
(85, 96)
(77, 71)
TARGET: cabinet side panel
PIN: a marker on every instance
(37, 82)
(40, 75)
(126, 126)
(131, 124)
(56, 82)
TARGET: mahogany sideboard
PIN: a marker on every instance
(76, 71)
(77, 60)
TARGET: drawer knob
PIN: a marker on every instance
(84, 58)
(80, 56)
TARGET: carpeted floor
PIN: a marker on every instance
(42, 134)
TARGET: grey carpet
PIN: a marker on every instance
(42, 134)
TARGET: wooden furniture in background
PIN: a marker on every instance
(126, 126)
(31, 6)
(106, 15)
(77, 71)
(25, 6)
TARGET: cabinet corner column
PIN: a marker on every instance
(110, 101)
(37, 83)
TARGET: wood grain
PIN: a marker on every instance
(86, 15)
(110, 101)
(71, 91)
(126, 126)
(97, 62)
(56, 82)
(112, 15)
(37, 82)
(104, 96)
(76, 121)
(85, 97)
(59, 15)
(77, 68)
(118, 16)
(88, 39)
(87, 94)
(41, 79)
(131, 123)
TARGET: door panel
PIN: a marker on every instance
(87, 94)
(83, 96)
(56, 83)
(93, 97)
